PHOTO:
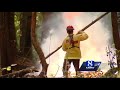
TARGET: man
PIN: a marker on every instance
(71, 46)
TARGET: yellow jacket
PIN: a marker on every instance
(73, 52)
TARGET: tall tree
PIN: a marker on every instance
(36, 45)
(8, 39)
(25, 39)
(116, 34)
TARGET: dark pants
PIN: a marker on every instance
(67, 63)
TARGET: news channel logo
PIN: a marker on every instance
(90, 65)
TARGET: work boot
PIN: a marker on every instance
(65, 74)
(42, 75)
(78, 74)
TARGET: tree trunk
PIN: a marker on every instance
(37, 44)
(3, 50)
(8, 39)
(12, 38)
(25, 39)
(116, 34)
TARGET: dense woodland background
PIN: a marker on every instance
(19, 42)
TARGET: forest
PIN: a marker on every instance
(20, 46)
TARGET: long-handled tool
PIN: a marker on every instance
(80, 30)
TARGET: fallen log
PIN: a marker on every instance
(20, 73)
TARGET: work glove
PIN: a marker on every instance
(80, 32)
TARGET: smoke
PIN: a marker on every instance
(49, 23)
(94, 48)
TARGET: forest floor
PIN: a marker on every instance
(21, 63)
(113, 73)
(25, 63)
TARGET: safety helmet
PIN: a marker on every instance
(69, 28)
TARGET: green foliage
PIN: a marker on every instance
(114, 72)
(111, 73)
(17, 20)
(39, 19)
(17, 17)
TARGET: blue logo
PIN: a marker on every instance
(90, 65)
